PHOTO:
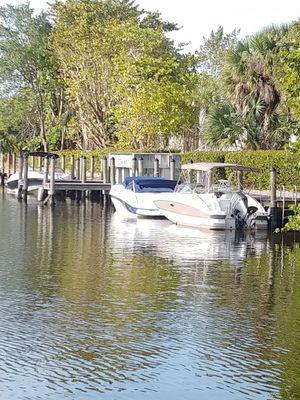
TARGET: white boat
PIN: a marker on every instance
(34, 177)
(135, 196)
(202, 200)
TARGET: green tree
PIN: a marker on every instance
(288, 70)
(124, 78)
(24, 60)
(249, 85)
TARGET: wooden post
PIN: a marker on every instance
(33, 163)
(273, 199)
(77, 162)
(83, 169)
(104, 170)
(240, 179)
(52, 182)
(112, 171)
(92, 167)
(172, 168)
(156, 167)
(8, 163)
(283, 206)
(40, 163)
(209, 180)
(133, 167)
(140, 166)
(72, 162)
(2, 167)
(14, 163)
(20, 181)
(46, 170)
(25, 177)
(63, 162)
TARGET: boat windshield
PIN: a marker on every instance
(149, 185)
(202, 182)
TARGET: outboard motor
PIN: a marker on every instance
(239, 209)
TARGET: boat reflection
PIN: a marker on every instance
(185, 245)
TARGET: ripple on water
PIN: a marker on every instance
(138, 309)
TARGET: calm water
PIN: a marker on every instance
(92, 307)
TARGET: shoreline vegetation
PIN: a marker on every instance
(92, 75)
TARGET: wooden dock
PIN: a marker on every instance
(95, 184)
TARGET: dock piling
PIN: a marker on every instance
(156, 168)
(273, 199)
(25, 177)
(112, 171)
(63, 162)
(20, 180)
(72, 164)
(172, 168)
(134, 167)
(92, 167)
(104, 170)
(141, 166)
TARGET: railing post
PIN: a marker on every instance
(104, 170)
(172, 168)
(112, 171)
(156, 167)
(140, 166)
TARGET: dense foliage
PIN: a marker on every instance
(95, 73)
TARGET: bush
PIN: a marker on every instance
(285, 162)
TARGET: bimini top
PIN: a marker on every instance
(149, 184)
(205, 167)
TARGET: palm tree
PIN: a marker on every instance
(248, 80)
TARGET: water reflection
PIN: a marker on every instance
(142, 309)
